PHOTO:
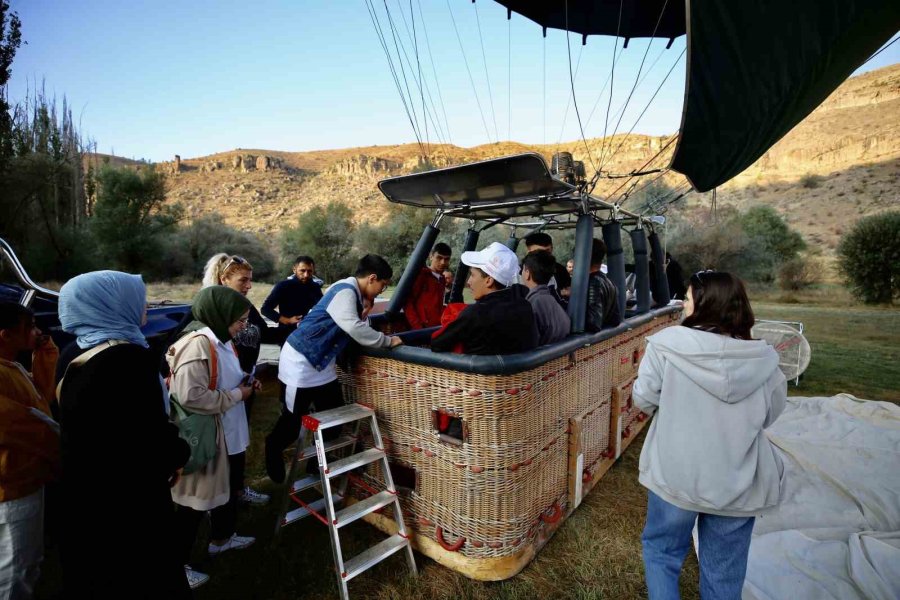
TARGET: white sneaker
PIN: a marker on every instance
(251, 496)
(235, 542)
(195, 578)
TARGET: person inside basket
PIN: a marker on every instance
(602, 298)
(426, 300)
(221, 313)
(307, 365)
(553, 323)
(561, 281)
(29, 448)
(706, 458)
(501, 321)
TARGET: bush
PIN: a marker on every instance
(798, 273)
(869, 258)
(325, 233)
(810, 181)
(188, 249)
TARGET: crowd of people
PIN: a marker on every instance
(107, 412)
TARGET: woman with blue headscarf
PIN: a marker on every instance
(120, 454)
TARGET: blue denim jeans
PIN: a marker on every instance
(724, 545)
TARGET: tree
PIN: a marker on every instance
(10, 40)
(869, 258)
(130, 217)
(326, 234)
(763, 225)
(187, 250)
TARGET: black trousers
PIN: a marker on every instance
(287, 428)
(222, 519)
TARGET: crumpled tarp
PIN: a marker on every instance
(836, 533)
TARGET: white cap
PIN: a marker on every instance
(496, 261)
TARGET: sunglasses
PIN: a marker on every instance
(698, 274)
(234, 260)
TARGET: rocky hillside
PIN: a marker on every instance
(841, 163)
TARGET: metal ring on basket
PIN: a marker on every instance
(439, 534)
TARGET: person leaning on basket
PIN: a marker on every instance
(223, 313)
(706, 458)
(501, 321)
(307, 365)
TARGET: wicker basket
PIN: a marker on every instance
(486, 502)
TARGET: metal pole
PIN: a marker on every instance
(662, 295)
(641, 269)
(462, 271)
(400, 295)
(584, 237)
(615, 260)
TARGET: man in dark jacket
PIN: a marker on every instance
(602, 300)
(501, 321)
(293, 297)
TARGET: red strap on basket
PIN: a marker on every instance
(439, 534)
(554, 516)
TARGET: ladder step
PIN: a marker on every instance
(373, 556)
(363, 507)
(339, 416)
(335, 444)
(352, 462)
(305, 483)
(301, 512)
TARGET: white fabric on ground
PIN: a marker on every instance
(836, 533)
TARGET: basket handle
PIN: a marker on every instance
(439, 534)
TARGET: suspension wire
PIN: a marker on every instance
(412, 18)
(631, 191)
(622, 107)
(612, 81)
(509, 78)
(596, 176)
(469, 71)
(486, 74)
(569, 102)
(883, 48)
(420, 82)
(434, 70)
(636, 80)
(380, 33)
(572, 85)
(545, 85)
(643, 112)
(600, 95)
(402, 69)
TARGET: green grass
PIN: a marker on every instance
(595, 554)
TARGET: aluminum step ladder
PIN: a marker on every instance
(333, 478)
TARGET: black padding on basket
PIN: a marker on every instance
(512, 363)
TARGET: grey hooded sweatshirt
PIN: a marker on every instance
(713, 395)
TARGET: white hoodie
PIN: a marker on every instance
(706, 450)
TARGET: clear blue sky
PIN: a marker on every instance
(154, 78)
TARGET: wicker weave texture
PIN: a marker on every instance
(507, 480)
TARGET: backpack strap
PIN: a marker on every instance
(213, 363)
(83, 358)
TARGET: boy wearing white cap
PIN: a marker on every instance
(501, 321)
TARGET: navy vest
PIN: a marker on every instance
(318, 338)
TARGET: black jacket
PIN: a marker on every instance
(602, 303)
(293, 299)
(501, 322)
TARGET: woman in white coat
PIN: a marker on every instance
(706, 458)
